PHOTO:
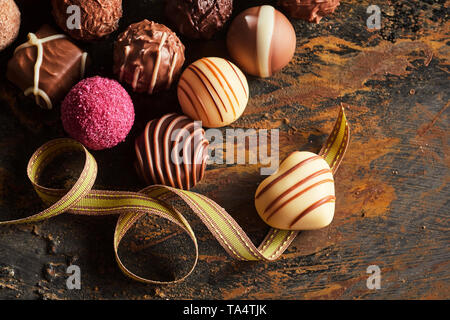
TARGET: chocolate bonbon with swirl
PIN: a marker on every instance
(172, 151)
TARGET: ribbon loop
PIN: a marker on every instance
(131, 206)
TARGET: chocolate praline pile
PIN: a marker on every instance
(212, 91)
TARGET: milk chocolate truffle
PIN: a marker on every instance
(199, 19)
(9, 22)
(87, 20)
(172, 151)
(148, 56)
(46, 66)
(309, 10)
(299, 196)
(214, 91)
(261, 40)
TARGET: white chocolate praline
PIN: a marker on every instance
(214, 91)
(299, 196)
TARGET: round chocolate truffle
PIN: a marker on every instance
(87, 20)
(214, 91)
(9, 22)
(199, 19)
(98, 112)
(172, 151)
(148, 56)
(261, 40)
(309, 10)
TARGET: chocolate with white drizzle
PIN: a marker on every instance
(148, 56)
(172, 151)
(46, 66)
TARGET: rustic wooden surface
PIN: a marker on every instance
(392, 188)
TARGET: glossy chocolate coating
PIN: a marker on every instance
(214, 91)
(98, 17)
(299, 196)
(309, 10)
(164, 138)
(148, 56)
(62, 67)
(199, 19)
(261, 40)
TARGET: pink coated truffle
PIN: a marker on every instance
(98, 112)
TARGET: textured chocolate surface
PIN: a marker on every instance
(199, 18)
(309, 10)
(148, 56)
(164, 138)
(98, 17)
(9, 22)
(62, 67)
(261, 40)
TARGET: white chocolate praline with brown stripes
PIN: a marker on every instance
(214, 91)
(261, 40)
(299, 196)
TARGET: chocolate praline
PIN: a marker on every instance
(214, 91)
(309, 10)
(9, 22)
(97, 18)
(172, 151)
(148, 56)
(46, 66)
(261, 40)
(199, 19)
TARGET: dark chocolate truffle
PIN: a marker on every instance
(97, 18)
(9, 22)
(261, 40)
(46, 66)
(309, 10)
(148, 56)
(172, 151)
(199, 19)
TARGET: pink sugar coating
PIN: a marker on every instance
(98, 112)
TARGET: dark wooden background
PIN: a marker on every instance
(392, 187)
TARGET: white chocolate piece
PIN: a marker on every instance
(299, 196)
(214, 91)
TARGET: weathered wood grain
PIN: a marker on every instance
(392, 188)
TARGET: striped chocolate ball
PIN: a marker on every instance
(172, 151)
(261, 40)
(214, 91)
(299, 196)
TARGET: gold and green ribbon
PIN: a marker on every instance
(154, 200)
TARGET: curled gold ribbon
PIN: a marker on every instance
(131, 206)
